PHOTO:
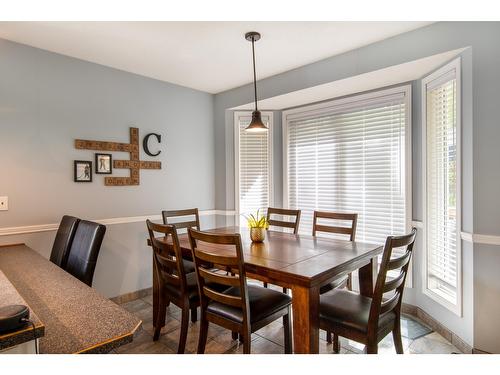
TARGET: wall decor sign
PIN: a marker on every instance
(145, 144)
(134, 165)
(103, 163)
(82, 171)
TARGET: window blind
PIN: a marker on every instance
(254, 177)
(351, 157)
(441, 173)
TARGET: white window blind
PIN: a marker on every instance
(442, 195)
(350, 156)
(253, 165)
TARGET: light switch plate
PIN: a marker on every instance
(4, 203)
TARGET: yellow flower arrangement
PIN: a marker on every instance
(257, 221)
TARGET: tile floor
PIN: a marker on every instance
(268, 340)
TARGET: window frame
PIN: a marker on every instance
(455, 64)
(323, 107)
(237, 115)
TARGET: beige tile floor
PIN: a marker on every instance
(268, 340)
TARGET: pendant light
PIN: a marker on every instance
(256, 125)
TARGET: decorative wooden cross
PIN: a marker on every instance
(134, 164)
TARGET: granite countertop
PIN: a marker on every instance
(77, 318)
(10, 296)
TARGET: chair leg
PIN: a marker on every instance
(234, 335)
(285, 290)
(287, 326)
(194, 314)
(336, 343)
(265, 284)
(202, 340)
(328, 337)
(247, 337)
(372, 348)
(184, 330)
(396, 336)
(160, 318)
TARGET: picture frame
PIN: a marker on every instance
(103, 163)
(82, 171)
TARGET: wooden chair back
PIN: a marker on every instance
(206, 277)
(193, 223)
(381, 305)
(294, 225)
(167, 255)
(350, 231)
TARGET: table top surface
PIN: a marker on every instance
(301, 259)
(77, 318)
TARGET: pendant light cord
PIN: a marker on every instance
(254, 75)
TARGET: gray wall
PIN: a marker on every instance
(481, 134)
(46, 101)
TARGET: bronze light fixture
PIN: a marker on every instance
(256, 125)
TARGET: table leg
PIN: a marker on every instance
(367, 277)
(305, 307)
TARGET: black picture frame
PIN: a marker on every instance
(98, 164)
(80, 173)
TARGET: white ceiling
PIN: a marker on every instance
(208, 56)
(363, 82)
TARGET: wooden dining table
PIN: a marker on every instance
(303, 264)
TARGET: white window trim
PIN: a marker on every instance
(237, 115)
(322, 107)
(453, 65)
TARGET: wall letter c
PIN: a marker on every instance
(145, 143)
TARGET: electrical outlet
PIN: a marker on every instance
(4, 203)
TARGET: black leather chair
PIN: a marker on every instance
(84, 251)
(63, 240)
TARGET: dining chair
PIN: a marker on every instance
(319, 225)
(64, 239)
(369, 319)
(181, 225)
(242, 308)
(84, 250)
(175, 285)
(294, 225)
(345, 281)
(193, 223)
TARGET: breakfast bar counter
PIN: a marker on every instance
(15, 338)
(77, 318)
